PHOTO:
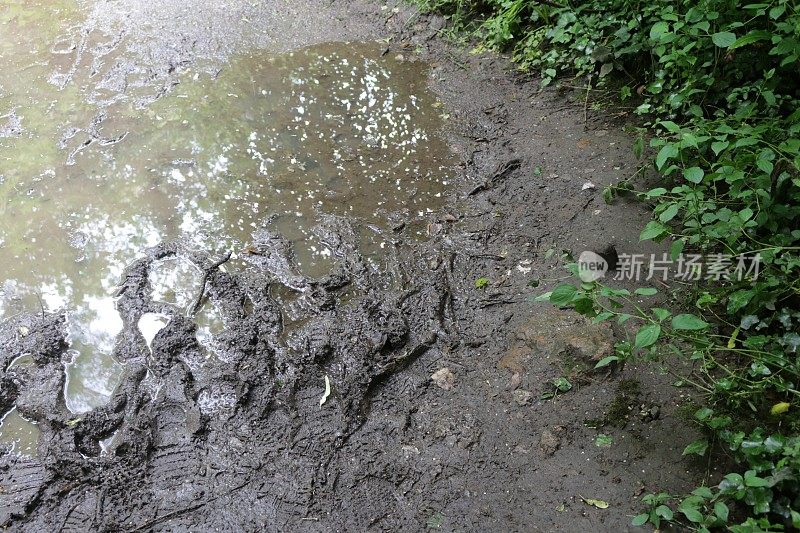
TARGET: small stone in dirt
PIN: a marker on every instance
(516, 380)
(648, 414)
(522, 397)
(410, 451)
(548, 443)
(444, 378)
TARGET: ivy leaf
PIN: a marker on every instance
(688, 322)
(647, 335)
(645, 291)
(724, 39)
(698, 447)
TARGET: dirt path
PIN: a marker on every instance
(246, 444)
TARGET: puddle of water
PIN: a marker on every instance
(91, 379)
(150, 324)
(209, 325)
(21, 361)
(21, 434)
(176, 281)
(274, 140)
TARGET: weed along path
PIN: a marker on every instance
(272, 265)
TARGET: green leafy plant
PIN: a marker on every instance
(717, 86)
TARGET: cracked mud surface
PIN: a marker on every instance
(240, 440)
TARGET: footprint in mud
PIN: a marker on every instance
(150, 324)
(175, 281)
(176, 434)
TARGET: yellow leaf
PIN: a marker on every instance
(600, 504)
(780, 408)
(732, 340)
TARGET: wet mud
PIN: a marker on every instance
(307, 367)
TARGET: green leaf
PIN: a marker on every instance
(435, 521)
(563, 294)
(653, 230)
(668, 213)
(670, 126)
(605, 361)
(603, 441)
(703, 492)
(659, 29)
(562, 384)
(721, 510)
(719, 146)
(645, 291)
(752, 37)
(667, 152)
(752, 480)
(724, 39)
(664, 512)
(692, 514)
(638, 147)
(481, 283)
(694, 174)
(640, 519)
(647, 335)
(688, 322)
(654, 193)
(689, 509)
(704, 413)
(698, 447)
(661, 314)
(676, 248)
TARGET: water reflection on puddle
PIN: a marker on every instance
(18, 433)
(176, 281)
(274, 140)
(209, 325)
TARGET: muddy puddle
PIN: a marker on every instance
(90, 177)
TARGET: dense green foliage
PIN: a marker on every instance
(717, 85)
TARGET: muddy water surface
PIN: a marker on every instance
(90, 178)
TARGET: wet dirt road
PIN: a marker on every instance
(239, 239)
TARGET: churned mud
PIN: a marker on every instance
(240, 251)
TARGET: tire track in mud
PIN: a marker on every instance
(174, 457)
